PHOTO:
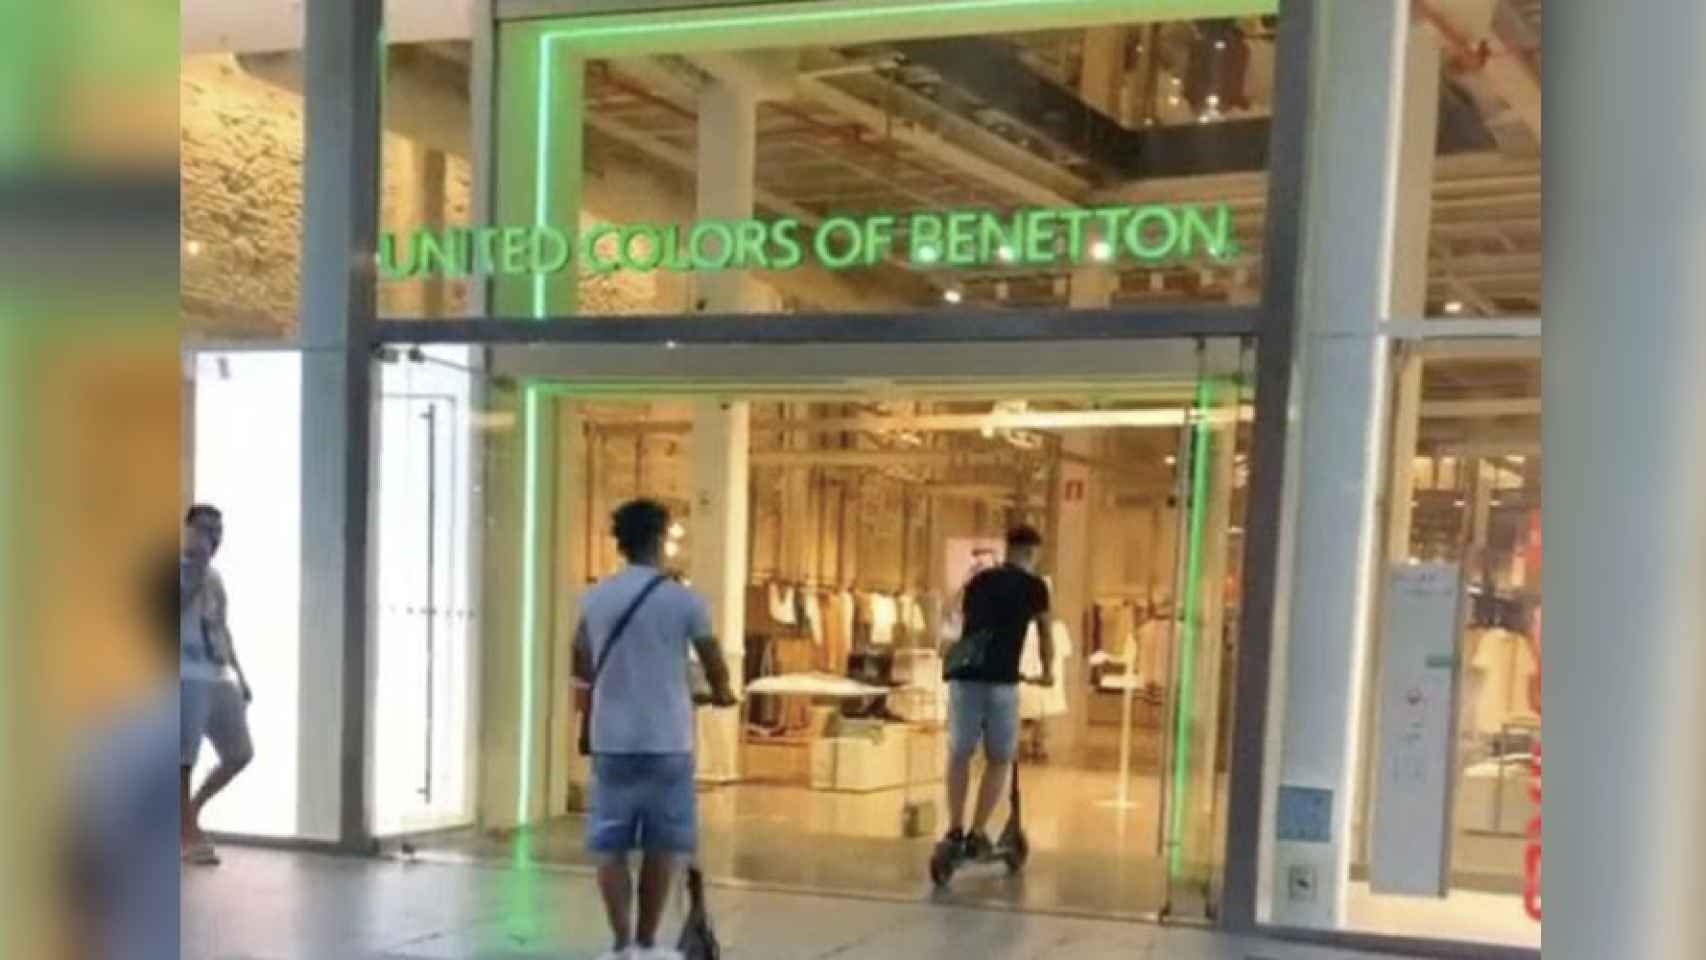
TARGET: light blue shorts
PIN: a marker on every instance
(986, 713)
(643, 802)
(213, 710)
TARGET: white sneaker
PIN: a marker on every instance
(617, 955)
(657, 953)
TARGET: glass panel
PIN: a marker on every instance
(1471, 477)
(1213, 478)
(724, 161)
(427, 177)
(248, 425)
(1485, 254)
(427, 500)
(862, 512)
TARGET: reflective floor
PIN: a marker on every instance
(289, 906)
(1090, 857)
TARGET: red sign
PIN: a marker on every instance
(1531, 856)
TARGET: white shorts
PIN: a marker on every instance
(213, 709)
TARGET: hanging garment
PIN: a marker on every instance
(912, 616)
(812, 604)
(1036, 703)
(1505, 663)
(885, 615)
(758, 609)
(1154, 653)
(837, 632)
(782, 604)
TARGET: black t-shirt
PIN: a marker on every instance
(1004, 601)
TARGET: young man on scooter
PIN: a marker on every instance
(1000, 604)
(631, 649)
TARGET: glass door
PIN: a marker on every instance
(1212, 475)
(421, 713)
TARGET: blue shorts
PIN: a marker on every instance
(643, 802)
(986, 713)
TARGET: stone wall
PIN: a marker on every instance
(241, 174)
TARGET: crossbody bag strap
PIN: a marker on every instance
(622, 627)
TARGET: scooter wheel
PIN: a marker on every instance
(941, 870)
(1018, 854)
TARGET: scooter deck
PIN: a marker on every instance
(1012, 852)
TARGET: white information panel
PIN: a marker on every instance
(1409, 852)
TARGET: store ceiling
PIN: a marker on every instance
(912, 126)
(928, 126)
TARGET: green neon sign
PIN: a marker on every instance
(923, 240)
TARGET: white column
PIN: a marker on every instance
(728, 144)
(576, 521)
(1073, 571)
(718, 563)
(728, 127)
(1367, 160)
(339, 235)
(1625, 472)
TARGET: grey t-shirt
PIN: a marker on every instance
(204, 634)
(643, 701)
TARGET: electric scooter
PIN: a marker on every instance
(1012, 848)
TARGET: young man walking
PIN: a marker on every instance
(214, 694)
(1000, 604)
(631, 648)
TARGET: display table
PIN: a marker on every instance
(799, 759)
(859, 764)
(1493, 797)
(904, 755)
(816, 685)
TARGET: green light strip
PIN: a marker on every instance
(529, 592)
(1183, 722)
(715, 29)
(852, 21)
(542, 186)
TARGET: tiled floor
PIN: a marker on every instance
(267, 905)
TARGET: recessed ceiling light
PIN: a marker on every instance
(1102, 251)
(193, 248)
(1454, 307)
(952, 295)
